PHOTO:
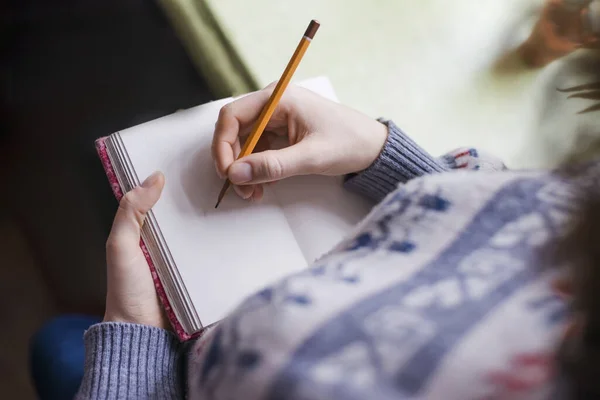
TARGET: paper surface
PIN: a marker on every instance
(222, 254)
(320, 212)
(226, 254)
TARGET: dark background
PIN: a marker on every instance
(70, 71)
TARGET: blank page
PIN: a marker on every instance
(224, 254)
(320, 211)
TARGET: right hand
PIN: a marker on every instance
(324, 138)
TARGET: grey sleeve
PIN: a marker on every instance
(131, 361)
(400, 161)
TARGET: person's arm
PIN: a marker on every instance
(401, 160)
(132, 353)
(124, 360)
(325, 138)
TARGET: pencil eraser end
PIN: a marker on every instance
(312, 29)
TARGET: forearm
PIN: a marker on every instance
(131, 361)
(402, 160)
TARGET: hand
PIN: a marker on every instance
(324, 138)
(131, 296)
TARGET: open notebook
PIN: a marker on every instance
(204, 261)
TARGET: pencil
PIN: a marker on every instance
(271, 105)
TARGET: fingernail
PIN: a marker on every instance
(243, 191)
(151, 180)
(257, 196)
(240, 173)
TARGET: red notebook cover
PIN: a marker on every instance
(116, 188)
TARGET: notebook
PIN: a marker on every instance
(205, 261)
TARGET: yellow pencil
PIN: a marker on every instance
(269, 108)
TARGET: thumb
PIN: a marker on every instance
(134, 206)
(273, 165)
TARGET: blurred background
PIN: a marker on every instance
(70, 72)
(75, 70)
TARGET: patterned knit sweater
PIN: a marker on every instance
(439, 293)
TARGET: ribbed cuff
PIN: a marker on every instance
(129, 361)
(400, 161)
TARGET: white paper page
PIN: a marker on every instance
(320, 211)
(224, 254)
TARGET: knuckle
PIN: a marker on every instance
(293, 88)
(272, 167)
(291, 92)
(292, 98)
(129, 204)
(111, 244)
(270, 88)
(128, 200)
(226, 111)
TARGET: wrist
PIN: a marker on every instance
(374, 135)
(155, 321)
(400, 160)
(379, 136)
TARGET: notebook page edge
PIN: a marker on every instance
(178, 291)
(165, 256)
(149, 237)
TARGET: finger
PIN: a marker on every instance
(236, 152)
(133, 208)
(237, 119)
(258, 193)
(244, 191)
(237, 148)
(248, 191)
(233, 118)
(272, 165)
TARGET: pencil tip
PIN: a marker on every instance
(223, 191)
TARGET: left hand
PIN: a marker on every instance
(131, 296)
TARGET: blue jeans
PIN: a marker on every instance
(57, 356)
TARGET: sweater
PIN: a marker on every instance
(439, 293)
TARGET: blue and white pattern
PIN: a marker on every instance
(472, 159)
(396, 310)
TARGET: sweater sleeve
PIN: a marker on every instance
(131, 361)
(402, 160)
